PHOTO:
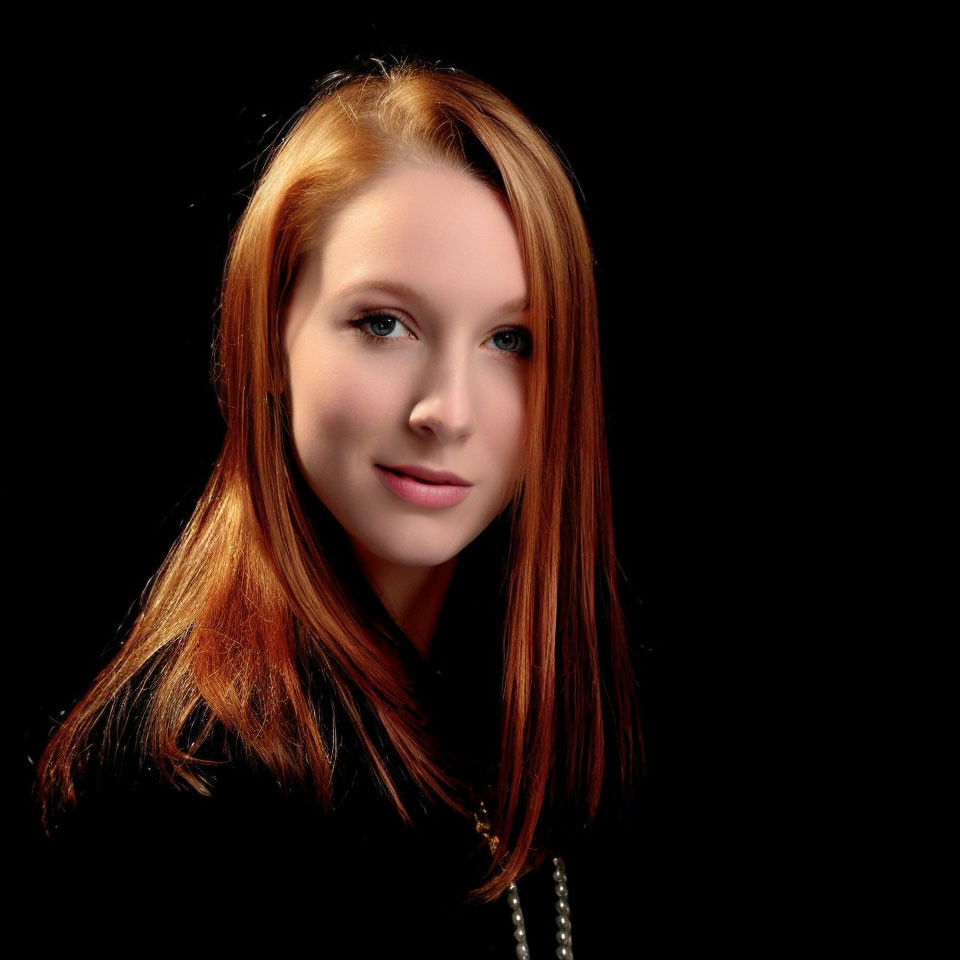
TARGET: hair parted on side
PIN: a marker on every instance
(250, 600)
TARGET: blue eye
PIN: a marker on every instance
(378, 318)
(517, 336)
(520, 337)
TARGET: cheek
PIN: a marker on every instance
(504, 417)
(334, 404)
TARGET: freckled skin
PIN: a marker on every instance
(444, 391)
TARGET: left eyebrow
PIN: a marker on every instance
(398, 287)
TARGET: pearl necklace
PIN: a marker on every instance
(564, 931)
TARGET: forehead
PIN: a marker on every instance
(426, 225)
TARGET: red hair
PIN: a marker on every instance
(249, 593)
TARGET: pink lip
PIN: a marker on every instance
(421, 494)
(425, 473)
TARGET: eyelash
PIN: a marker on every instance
(360, 321)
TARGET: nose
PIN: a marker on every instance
(445, 406)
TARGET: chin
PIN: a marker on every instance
(405, 550)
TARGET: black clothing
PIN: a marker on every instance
(140, 864)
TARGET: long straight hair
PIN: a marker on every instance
(250, 602)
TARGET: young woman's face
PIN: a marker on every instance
(434, 377)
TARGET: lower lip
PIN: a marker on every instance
(421, 494)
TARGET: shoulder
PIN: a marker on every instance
(134, 845)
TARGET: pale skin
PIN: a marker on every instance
(445, 389)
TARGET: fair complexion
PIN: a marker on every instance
(440, 380)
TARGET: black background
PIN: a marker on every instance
(136, 159)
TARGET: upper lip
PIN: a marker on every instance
(425, 473)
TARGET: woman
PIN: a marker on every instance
(391, 632)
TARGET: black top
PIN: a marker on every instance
(139, 864)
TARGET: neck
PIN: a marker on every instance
(413, 596)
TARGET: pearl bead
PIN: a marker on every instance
(564, 934)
